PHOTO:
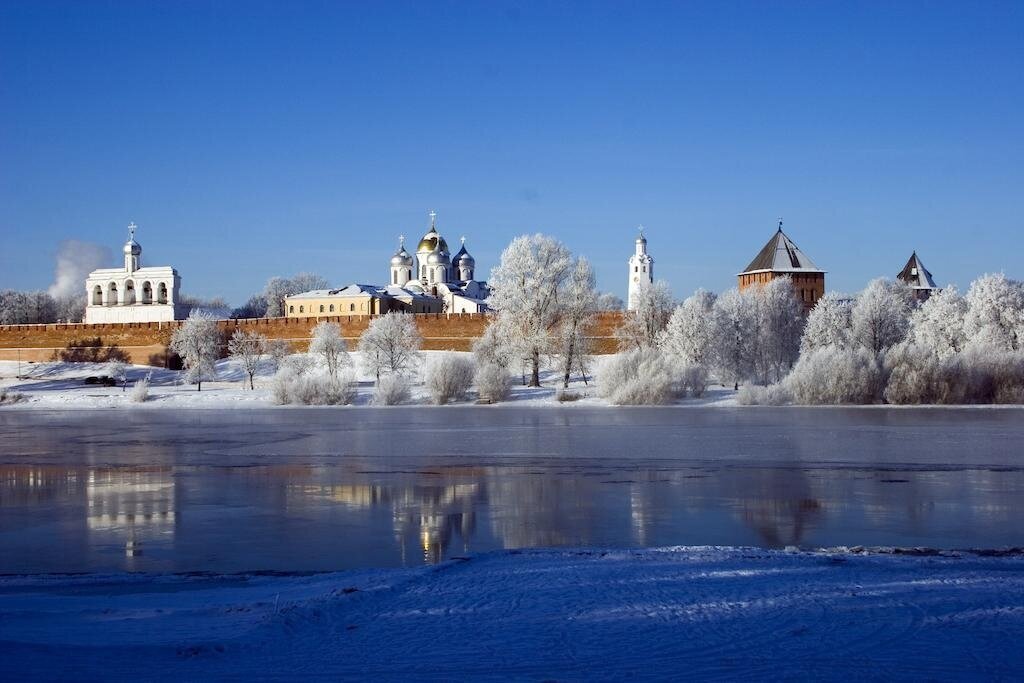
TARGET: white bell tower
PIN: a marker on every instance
(641, 270)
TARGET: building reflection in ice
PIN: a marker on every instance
(133, 507)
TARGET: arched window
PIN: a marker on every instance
(302, 309)
(351, 307)
(161, 293)
(394, 277)
(112, 294)
(321, 308)
(129, 293)
(147, 292)
(423, 272)
(332, 308)
(291, 309)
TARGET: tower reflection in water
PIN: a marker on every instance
(131, 508)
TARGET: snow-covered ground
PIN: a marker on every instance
(677, 613)
(62, 385)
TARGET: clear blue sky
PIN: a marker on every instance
(251, 139)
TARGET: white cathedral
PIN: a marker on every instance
(436, 273)
(132, 294)
(641, 270)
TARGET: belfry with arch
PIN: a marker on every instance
(132, 293)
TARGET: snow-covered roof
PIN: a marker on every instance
(781, 255)
(916, 275)
(398, 292)
(354, 289)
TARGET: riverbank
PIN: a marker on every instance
(532, 615)
(58, 385)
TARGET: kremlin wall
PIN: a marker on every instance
(146, 343)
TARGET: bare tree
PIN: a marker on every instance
(248, 348)
(330, 345)
(390, 344)
(197, 341)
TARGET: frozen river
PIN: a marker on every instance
(325, 489)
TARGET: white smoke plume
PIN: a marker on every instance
(75, 260)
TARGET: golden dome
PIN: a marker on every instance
(430, 240)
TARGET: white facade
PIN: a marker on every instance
(435, 272)
(641, 270)
(132, 294)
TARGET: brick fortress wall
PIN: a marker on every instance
(146, 343)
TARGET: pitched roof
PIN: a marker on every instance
(916, 275)
(781, 255)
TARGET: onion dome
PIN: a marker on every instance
(463, 258)
(131, 246)
(432, 238)
(401, 257)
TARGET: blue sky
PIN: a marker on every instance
(253, 139)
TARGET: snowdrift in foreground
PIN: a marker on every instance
(671, 613)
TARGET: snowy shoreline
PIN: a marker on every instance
(61, 386)
(703, 612)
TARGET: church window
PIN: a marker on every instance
(291, 309)
(351, 307)
(97, 296)
(394, 277)
(332, 308)
(161, 295)
(302, 309)
(636, 269)
(147, 293)
(321, 308)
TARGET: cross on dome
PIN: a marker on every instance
(463, 239)
(780, 223)
(131, 230)
(433, 218)
(401, 240)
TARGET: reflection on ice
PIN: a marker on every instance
(319, 493)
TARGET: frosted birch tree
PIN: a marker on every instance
(197, 342)
(579, 306)
(937, 325)
(328, 343)
(248, 349)
(779, 321)
(734, 329)
(995, 312)
(880, 317)
(390, 344)
(828, 323)
(642, 326)
(689, 335)
(526, 290)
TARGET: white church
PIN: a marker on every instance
(132, 294)
(641, 270)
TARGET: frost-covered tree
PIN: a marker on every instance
(526, 290)
(642, 327)
(995, 313)
(117, 370)
(277, 350)
(248, 348)
(579, 305)
(689, 335)
(70, 308)
(832, 376)
(779, 321)
(197, 342)
(828, 323)
(328, 343)
(216, 307)
(881, 315)
(27, 308)
(390, 344)
(493, 382)
(448, 377)
(937, 325)
(606, 301)
(734, 316)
